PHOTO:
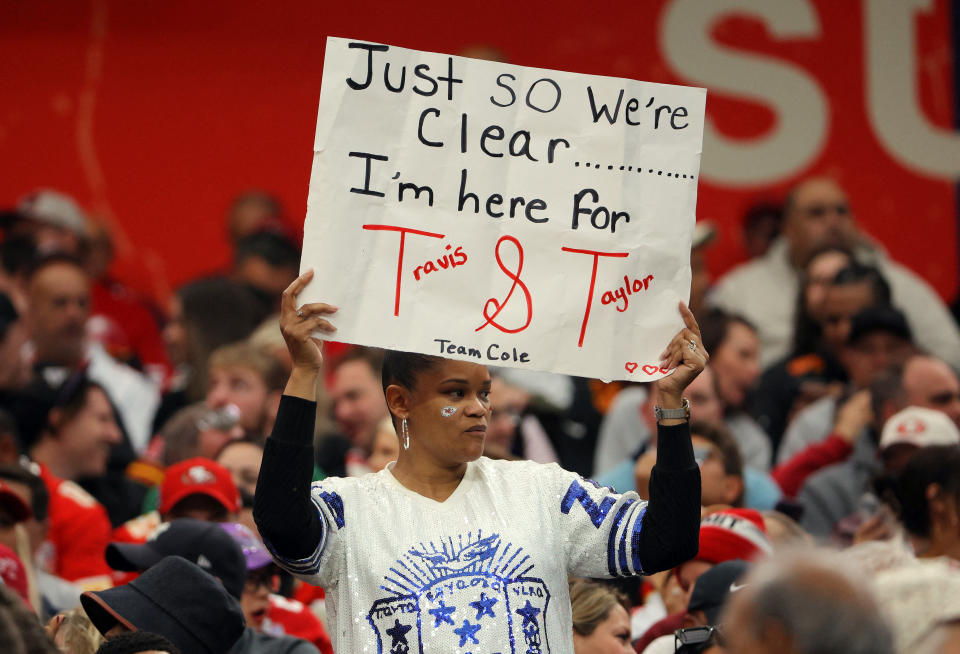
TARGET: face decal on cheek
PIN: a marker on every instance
(448, 411)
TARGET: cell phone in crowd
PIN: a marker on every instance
(224, 418)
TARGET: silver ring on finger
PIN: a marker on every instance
(299, 313)
(692, 344)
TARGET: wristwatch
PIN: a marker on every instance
(683, 413)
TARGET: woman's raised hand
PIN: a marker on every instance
(298, 323)
(686, 355)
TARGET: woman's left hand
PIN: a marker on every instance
(686, 355)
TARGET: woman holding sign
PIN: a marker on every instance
(446, 550)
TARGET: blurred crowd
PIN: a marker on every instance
(132, 432)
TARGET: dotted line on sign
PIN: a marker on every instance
(629, 169)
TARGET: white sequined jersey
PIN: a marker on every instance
(483, 572)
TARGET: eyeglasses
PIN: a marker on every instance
(703, 454)
(694, 636)
(269, 579)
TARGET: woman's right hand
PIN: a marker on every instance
(297, 325)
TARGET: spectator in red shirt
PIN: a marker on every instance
(76, 443)
(724, 536)
(120, 318)
(196, 488)
(263, 609)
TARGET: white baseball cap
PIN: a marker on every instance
(918, 426)
(54, 208)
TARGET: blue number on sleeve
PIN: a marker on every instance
(577, 493)
(335, 503)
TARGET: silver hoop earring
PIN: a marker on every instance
(405, 434)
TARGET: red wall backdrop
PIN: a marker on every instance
(154, 114)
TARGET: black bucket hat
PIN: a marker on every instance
(175, 599)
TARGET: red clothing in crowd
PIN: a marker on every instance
(79, 534)
(285, 616)
(791, 474)
(308, 594)
(662, 627)
(130, 329)
(138, 529)
(293, 618)
(135, 531)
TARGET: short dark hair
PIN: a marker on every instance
(935, 464)
(53, 259)
(718, 434)
(17, 254)
(403, 368)
(372, 356)
(40, 498)
(857, 273)
(760, 212)
(136, 642)
(276, 249)
(715, 326)
(216, 311)
(72, 395)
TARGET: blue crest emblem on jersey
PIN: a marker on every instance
(473, 591)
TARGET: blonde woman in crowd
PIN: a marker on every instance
(601, 619)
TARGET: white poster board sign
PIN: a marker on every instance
(500, 214)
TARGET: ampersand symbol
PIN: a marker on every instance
(498, 306)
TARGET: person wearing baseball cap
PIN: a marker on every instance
(174, 598)
(212, 548)
(54, 221)
(195, 488)
(263, 609)
(724, 536)
(189, 486)
(12, 507)
(707, 600)
(198, 541)
(909, 430)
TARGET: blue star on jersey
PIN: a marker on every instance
(442, 614)
(462, 589)
(399, 633)
(467, 631)
(484, 606)
(529, 613)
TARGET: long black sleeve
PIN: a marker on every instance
(671, 525)
(282, 508)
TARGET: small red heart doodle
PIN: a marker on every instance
(630, 366)
(651, 370)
